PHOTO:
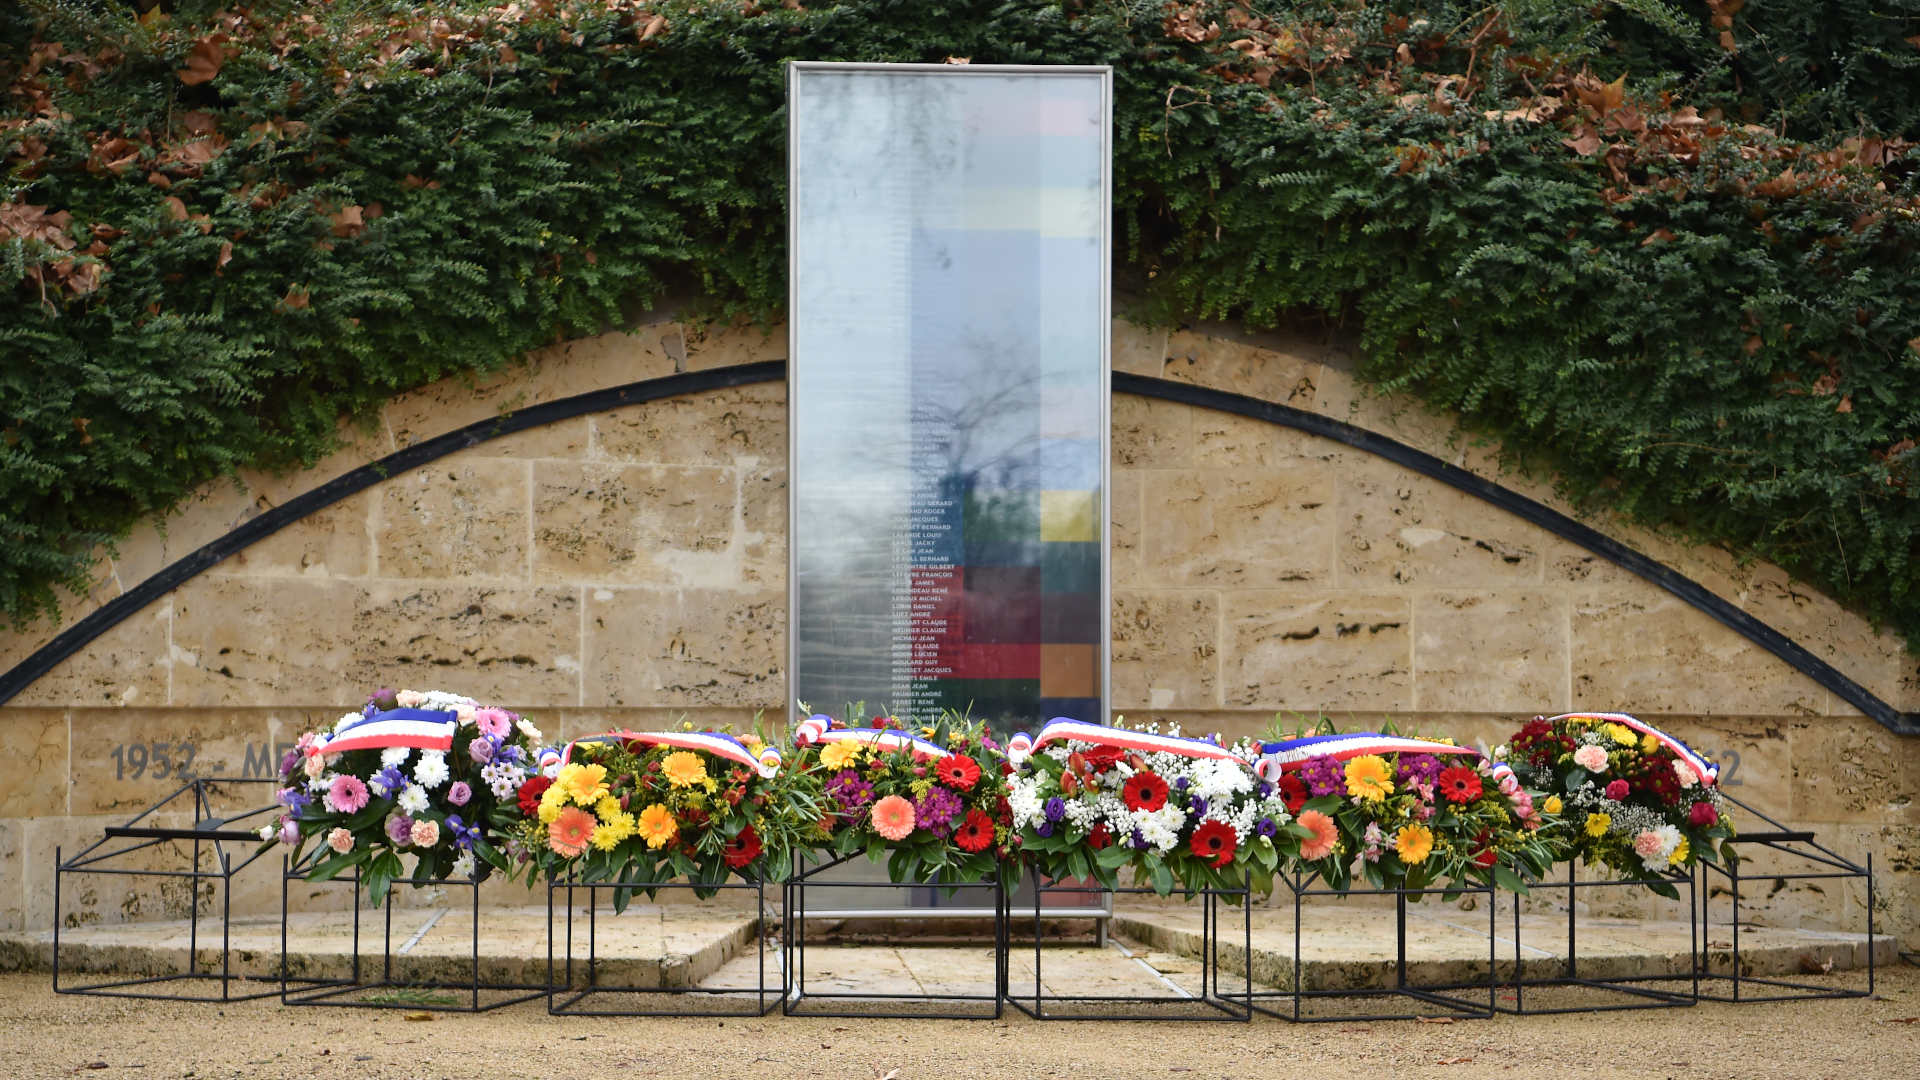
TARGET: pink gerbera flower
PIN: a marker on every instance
(492, 721)
(893, 817)
(346, 795)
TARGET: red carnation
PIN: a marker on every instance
(1144, 791)
(1460, 784)
(1215, 841)
(1100, 837)
(1102, 758)
(1294, 790)
(1617, 790)
(958, 771)
(743, 848)
(975, 833)
(1703, 815)
(530, 793)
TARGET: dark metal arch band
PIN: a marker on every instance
(77, 636)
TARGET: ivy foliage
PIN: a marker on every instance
(1678, 278)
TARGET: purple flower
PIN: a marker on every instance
(1055, 809)
(1198, 806)
(384, 698)
(851, 791)
(459, 793)
(508, 754)
(1324, 776)
(1138, 840)
(289, 762)
(387, 781)
(289, 832)
(464, 835)
(1417, 767)
(1266, 827)
(1263, 790)
(1180, 784)
(481, 749)
(936, 810)
(400, 830)
(1043, 828)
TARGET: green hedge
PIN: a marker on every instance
(283, 216)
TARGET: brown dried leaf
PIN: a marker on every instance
(295, 299)
(1845, 406)
(1657, 236)
(655, 25)
(199, 123)
(160, 180)
(176, 209)
(1434, 1019)
(1586, 144)
(226, 255)
(204, 62)
(1753, 345)
(347, 221)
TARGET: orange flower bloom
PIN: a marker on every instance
(893, 817)
(657, 826)
(571, 831)
(1325, 833)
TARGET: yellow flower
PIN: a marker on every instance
(839, 755)
(656, 826)
(1623, 734)
(1597, 824)
(1649, 744)
(1414, 842)
(1553, 805)
(605, 838)
(1680, 853)
(584, 784)
(607, 808)
(1369, 778)
(549, 811)
(683, 769)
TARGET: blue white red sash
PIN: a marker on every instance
(1061, 728)
(421, 729)
(821, 728)
(766, 763)
(1706, 770)
(1291, 754)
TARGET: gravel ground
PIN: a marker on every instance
(46, 1035)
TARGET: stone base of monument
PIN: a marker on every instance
(607, 962)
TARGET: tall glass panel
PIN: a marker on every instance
(948, 390)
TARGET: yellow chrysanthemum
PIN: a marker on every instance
(1369, 778)
(607, 808)
(840, 755)
(1680, 853)
(549, 811)
(605, 839)
(1414, 842)
(656, 826)
(1598, 824)
(1623, 734)
(683, 768)
(1553, 805)
(584, 784)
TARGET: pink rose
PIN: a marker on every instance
(1703, 814)
(493, 721)
(1591, 758)
(1617, 790)
(340, 840)
(426, 833)
(1509, 786)
(346, 795)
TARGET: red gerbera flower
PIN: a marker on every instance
(1294, 790)
(1144, 791)
(975, 833)
(1214, 840)
(530, 793)
(1460, 784)
(958, 771)
(743, 848)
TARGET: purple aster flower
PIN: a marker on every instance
(853, 792)
(288, 762)
(1198, 806)
(1266, 827)
(1324, 776)
(1055, 809)
(400, 830)
(1417, 767)
(1043, 827)
(936, 810)
(459, 793)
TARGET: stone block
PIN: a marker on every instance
(332, 542)
(1230, 441)
(717, 345)
(91, 899)
(1284, 374)
(1850, 769)
(761, 539)
(1400, 528)
(1307, 653)
(1137, 349)
(357, 442)
(33, 743)
(13, 898)
(1151, 434)
(668, 648)
(1239, 529)
(519, 646)
(1123, 532)
(745, 425)
(125, 760)
(1648, 651)
(653, 524)
(569, 438)
(576, 723)
(459, 517)
(127, 665)
(1501, 650)
(261, 641)
(1166, 649)
(1755, 755)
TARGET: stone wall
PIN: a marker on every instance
(628, 568)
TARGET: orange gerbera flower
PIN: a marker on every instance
(683, 769)
(893, 817)
(1325, 834)
(657, 826)
(571, 832)
(584, 784)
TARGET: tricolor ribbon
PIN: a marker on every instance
(421, 729)
(821, 728)
(766, 763)
(1706, 770)
(1022, 746)
(1284, 757)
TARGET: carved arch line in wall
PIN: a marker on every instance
(80, 634)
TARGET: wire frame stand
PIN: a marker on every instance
(1406, 993)
(1728, 980)
(800, 1000)
(593, 995)
(1568, 990)
(391, 990)
(213, 863)
(1212, 1003)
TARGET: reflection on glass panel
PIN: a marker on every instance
(949, 386)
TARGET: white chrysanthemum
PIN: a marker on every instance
(348, 718)
(319, 784)
(1214, 780)
(463, 866)
(442, 701)
(532, 733)
(395, 755)
(432, 770)
(413, 800)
